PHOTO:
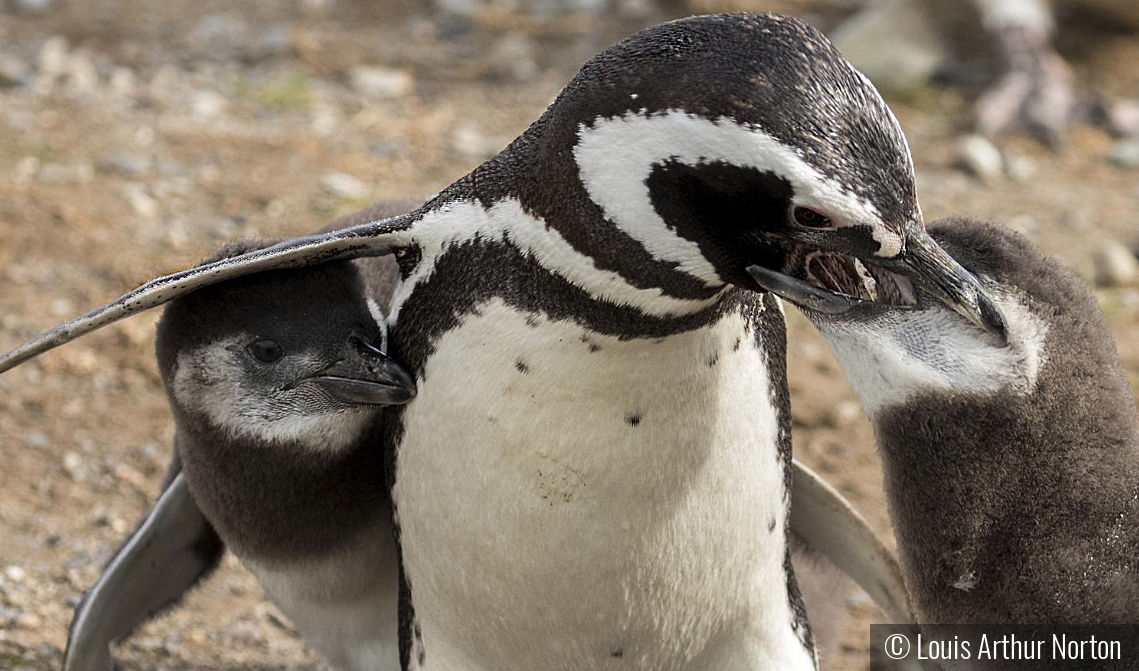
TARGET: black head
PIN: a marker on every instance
(720, 142)
(286, 355)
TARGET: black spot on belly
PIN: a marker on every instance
(713, 360)
(618, 653)
(771, 525)
(521, 366)
(594, 347)
(736, 347)
(633, 418)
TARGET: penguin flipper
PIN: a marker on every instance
(370, 239)
(173, 549)
(827, 522)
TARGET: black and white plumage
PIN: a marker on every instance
(602, 422)
(275, 381)
(175, 546)
(1012, 470)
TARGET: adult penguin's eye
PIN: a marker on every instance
(805, 216)
(265, 350)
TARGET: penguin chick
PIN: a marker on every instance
(275, 382)
(1012, 469)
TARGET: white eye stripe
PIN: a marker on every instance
(615, 157)
(381, 321)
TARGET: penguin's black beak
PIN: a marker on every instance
(835, 284)
(933, 270)
(366, 376)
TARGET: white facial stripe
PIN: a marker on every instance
(378, 317)
(617, 155)
(464, 221)
(890, 360)
(208, 380)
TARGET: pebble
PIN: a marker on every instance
(140, 201)
(37, 440)
(53, 56)
(844, 413)
(129, 165)
(13, 71)
(1020, 169)
(73, 466)
(81, 75)
(28, 622)
(15, 574)
(31, 6)
(122, 83)
(271, 41)
(8, 615)
(381, 83)
(1125, 154)
(979, 156)
(75, 173)
(26, 169)
(893, 43)
(206, 106)
(1115, 265)
(343, 185)
(471, 143)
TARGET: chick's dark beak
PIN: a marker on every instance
(933, 270)
(367, 376)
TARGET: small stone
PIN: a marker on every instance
(1115, 265)
(845, 412)
(980, 157)
(1020, 169)
(82, 76)
(122, 83)
(271, 41)
(343, 185)
(14, 574)
(380, 83)
(893, 42)
(73, 466)
(130, 165)
(36, 440)
(31, 7)
(26, 169)
(13, 71)
(8, 616)
(28, 622)
(317, 8)
(52, 59)
(206, 106)
(132, 477)
(1125, 154)
(140, 201)
(471, 143)
(75, 173)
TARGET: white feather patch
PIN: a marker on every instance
(463, 221)
(595, 502)
(615, 157)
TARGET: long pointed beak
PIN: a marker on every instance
(932, 268)
(367, 376)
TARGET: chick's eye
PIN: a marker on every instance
(265, 350)
(805, 216)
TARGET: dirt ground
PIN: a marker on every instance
(135, 138)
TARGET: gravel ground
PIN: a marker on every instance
(134, 141)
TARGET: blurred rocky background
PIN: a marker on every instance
(136, 137)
